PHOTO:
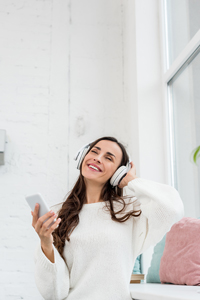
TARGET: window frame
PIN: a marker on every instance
(169, 71)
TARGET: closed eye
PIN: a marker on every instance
(106, 157)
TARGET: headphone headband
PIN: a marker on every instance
(82, 148)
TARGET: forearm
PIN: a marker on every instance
(49, 253)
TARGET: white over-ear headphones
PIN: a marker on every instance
(117, 176)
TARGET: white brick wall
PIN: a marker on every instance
(61, 85)
(25, 54)
(68, 75)
(25, 63)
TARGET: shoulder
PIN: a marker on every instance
(56, 207)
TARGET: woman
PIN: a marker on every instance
(90, 253)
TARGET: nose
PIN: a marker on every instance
(98, 159)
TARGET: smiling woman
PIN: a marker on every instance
(91, 253)
(105, 163)
(107, 155)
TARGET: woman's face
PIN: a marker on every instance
(102, 161)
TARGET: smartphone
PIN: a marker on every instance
(43, 208)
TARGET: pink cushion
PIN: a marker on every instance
(180, 263)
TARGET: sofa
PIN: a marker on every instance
(172, 266)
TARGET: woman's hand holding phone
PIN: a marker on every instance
(45, 233)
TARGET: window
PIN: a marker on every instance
(182, 23)
(182, 89)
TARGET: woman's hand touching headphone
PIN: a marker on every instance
(129, 176)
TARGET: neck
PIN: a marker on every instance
(93, 192)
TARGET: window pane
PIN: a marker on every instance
(185, 102)
(183, 22)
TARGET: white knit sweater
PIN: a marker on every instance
(101, 253)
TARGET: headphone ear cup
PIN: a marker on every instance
(81, 157)
(118, 175)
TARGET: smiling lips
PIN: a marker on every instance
(94, 167)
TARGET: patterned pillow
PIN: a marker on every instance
(180, 263)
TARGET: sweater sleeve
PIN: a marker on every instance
(161, 207)
(52, 279)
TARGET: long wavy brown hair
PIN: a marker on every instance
(69, 212)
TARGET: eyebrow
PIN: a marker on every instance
(106, 152)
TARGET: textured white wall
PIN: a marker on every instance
(25, 52)
(153, 157)
(98, 101)
(71, 71)
(25, 104)
(61, 85)
(149, 90)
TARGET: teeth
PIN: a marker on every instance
(93, 167)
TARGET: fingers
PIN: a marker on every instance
(46, 216)
(45, 225)
(45, 231)
(35, 214)
(133, 169)
(53, 227)
(40, 221)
